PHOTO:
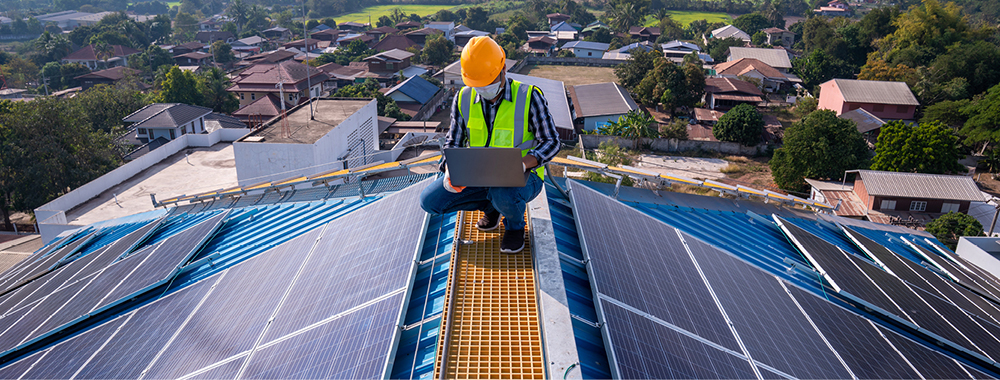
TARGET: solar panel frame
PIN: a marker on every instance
(62, 360)
(16, 334)
(958, 274)
(43, 264)
(226, 370)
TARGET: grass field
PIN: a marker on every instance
(685, 17)
(384, 10)
(572, 75)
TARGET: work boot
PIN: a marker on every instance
(513, 241)
(489, 222)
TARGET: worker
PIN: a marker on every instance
(483, 114)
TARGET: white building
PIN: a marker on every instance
(342, 133)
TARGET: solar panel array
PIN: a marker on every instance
(326, 304)
(673, 306)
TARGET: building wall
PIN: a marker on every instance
(352, 139)
(862, 192)
(830, 98)
(588, 53)
(883, 111)
(903, 204)
(590, 123)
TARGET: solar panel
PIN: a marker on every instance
(59, 278)
(758, 306)
(63, 360)
(353, 346)
(931, 364)
(646, 266)
(43, 264)
(965, 278)
(14, 371)
(866, 353)
(148, 329)
(986, 280)
(228, 370)
(830, 262)
(644, 349)
(236, 312)
(17, 332)
(361, 256)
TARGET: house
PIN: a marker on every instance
(210, 37)
(167, 121)
(276, 56)
(319, 28)
(116, 55)
(676, 50)
(395, 41)
(451, 75)
(778, 36)
(647, 34)
(300, 82)
(599, 104)
(587, 49)
(886, 100)
(563, 27)
(771, 79)
(776, 58)
(707, 117)
(193, 59)
(463, 37)
(416, 97)
(561, 37)
(869, 125)
(593, 27)
(838, 4)
(327, 35)
(251, 44)
(886, 196)
(261, 110)
(539, 46)
(381, 31)
(420, 35)
(108, 76)
(209, 25)
(187, 47)
(831, 12)
(555, 18)
(65, 20)
(347, 39)
(12, 93)
(305, 45)
(623, 54)
(277, 34)
(405, 25)
(727, 31)
(558, 100)
(446, 27)
(389, 62)
(352, 26)
(726, 93)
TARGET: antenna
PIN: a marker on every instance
(285, 130)
(305, 42)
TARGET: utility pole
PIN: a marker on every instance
(45, 81)
(305, 42)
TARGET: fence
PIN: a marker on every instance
(675, 145)
(573, 61)
(51, 216)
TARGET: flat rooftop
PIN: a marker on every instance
(204, 169)
(328, 114)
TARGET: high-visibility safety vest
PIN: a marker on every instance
(510, 126)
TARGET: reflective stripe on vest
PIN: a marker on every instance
(510, 126)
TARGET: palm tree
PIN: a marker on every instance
(623, 16)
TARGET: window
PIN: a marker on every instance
(888, 205)
(902, 109)
(141, 131)
(949, 207)
(184, 130)
(253, 96)
(171, 134)
(590, 53)
(918, 206)
(388, 65)
(241, 96)
(879, 107)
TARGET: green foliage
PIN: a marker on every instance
(671, 85)
(612, 155)
(925, 148)
(185, 27)
(212, 84)
(949, 227)
(718, 48)
(179, 87)
(742, 124)
(758, 39)
(39, 164)
(635, 69)
(105, 106)
(437, 50)
(983, 114)
(600, 35)
(151, 59)
(675, 130)
(752, 23)
(819, 146)
(804, 106)
(819, 67)
(633, 125)
(223, 52)
(950, 113)
(369, 89)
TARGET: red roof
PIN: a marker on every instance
(382, 30)
(730, 85)
(267, 106)
(395, 42)
(114, 73)
(87, 53)
(264, 76)
(425, 31)
(744, 65)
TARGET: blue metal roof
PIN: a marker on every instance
(417, 88)
(587, 45)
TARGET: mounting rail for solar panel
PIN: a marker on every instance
(668, 180)
(401, 319)
(973, 287)
(323, 179)
(127, 297)
(83, 241)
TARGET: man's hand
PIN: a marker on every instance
(448, 186)
(529, 162)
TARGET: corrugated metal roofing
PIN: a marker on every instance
(776, 58)
(417, 88)
(601, 99)
(865, 120)
(919, 185)
(874, 91)
(555, 93)
(586, 45)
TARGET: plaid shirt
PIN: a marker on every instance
(539, 123)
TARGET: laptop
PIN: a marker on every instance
(485, 167)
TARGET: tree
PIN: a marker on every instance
(675, 130)
(600, 35)
(384, 21)
(671, 85)
(950, 113)
(185, 26)
(805, 106)
(223, 52)
(819, 67)
(151, 59)
(159, 28)
(752, 23)
(179, 87)
(106, 106)
(670, 29)
(949, 227)
(718, 48)
(477, 19)
(819, 146)
(742, 124)
(329, 21)
(635, 125)
(445, 15)
(69, 73)
(369, 89)
(212, 85)
(925, 148)
(758, 39)
(623, 14)
(612, 155)
(636, 67)
(437, 50)
(880, 70)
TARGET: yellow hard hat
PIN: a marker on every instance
(482, 61)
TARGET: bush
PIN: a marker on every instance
(949, 227)
(742, 124)
(612, 155)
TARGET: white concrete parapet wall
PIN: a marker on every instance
(51, 216)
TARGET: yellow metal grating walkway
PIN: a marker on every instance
(491, 312)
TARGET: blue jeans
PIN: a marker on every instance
(510, 201)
